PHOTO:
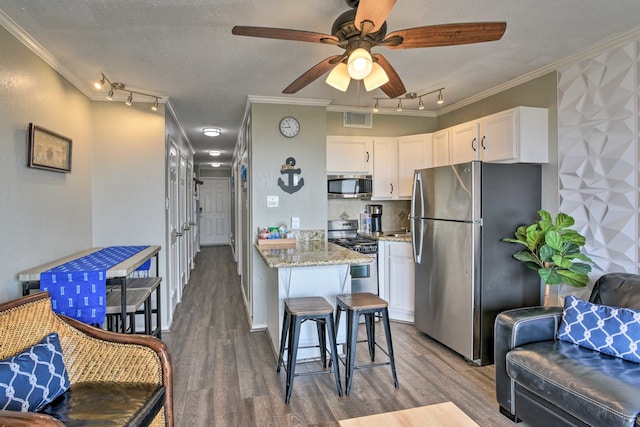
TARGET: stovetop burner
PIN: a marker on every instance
(345, 234)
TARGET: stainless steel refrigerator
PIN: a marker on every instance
(464, 273)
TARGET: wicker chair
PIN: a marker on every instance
(90, 354)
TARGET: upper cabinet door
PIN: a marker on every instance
(413, 154)
(349, 155)
(465, 142)
(385, 168)
(440, 149)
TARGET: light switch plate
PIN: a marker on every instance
(295, 223)
(272, 201)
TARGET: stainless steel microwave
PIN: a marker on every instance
(349, 186)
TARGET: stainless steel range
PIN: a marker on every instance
(364, 277)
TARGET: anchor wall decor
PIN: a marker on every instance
(289, 169)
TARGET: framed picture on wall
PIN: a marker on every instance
(48, 150)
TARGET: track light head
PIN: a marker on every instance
(399, 107)
(154, 107)
(99, 84)
(376, 107)
(440, 98)
(129, 100)
(420, 104)
(110, 94)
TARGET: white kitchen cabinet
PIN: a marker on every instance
(349, 155)
(413, 154)
(440, 149)
(464, 142)
(395, 272)
(385, 168)
(517, 135)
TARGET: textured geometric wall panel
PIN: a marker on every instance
(598, 153)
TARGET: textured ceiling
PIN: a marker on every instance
(184, 49)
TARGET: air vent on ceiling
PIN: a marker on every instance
(357, 120)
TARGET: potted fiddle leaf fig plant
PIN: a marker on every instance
(552, 249)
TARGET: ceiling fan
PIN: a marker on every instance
(360, 29)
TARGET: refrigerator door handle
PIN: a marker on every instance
(418, 239)
(417, 190)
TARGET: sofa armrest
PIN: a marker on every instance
(514, 328)
(27, 419)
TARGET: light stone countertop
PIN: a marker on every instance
(382, 237)
(310, 253)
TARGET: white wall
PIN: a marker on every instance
(129, 180)
(599, 156)
(44, 215)
(269, 151)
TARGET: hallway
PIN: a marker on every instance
(224, 375)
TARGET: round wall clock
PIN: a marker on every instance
(289, 126)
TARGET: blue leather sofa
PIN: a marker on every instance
(547, 382)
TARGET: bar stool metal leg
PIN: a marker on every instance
(283, 339)
(387, 334)
(292, 354)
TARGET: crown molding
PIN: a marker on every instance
(255, 99)
(555, 66)
(18, 32)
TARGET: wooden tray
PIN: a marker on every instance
(276, 243)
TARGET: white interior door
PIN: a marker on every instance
(182, 221)
(214, 215)
(174, 230)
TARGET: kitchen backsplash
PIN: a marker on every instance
(395, 213)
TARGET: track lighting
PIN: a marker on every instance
(99, 83)
(410, 96)
(116, 86)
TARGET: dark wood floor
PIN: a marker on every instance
(225, 375)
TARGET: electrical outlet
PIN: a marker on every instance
(272, 201)
(295, 223)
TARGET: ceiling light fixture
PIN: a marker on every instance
(410, 96)
(98, 85)
(211, 132)
(215, 153)
(339, 77)
(376, 78)
(117, 86)
(359, 64)
(215, 164)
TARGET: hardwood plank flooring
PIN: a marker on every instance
(225, 375)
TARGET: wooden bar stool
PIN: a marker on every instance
(296, 312)
(371, 306)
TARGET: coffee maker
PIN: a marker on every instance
(376, 218)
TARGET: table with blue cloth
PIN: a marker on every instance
(77, 283)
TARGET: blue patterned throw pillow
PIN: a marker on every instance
(610, 330)
(33, 378)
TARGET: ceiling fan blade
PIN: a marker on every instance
(394, 87)
(448, 34)
(375, 11)
(311, 75)
(284, 34)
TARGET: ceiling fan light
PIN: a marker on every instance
(376, 78)
(359, 64)
(339, 77)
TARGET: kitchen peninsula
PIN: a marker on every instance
(310, 268)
